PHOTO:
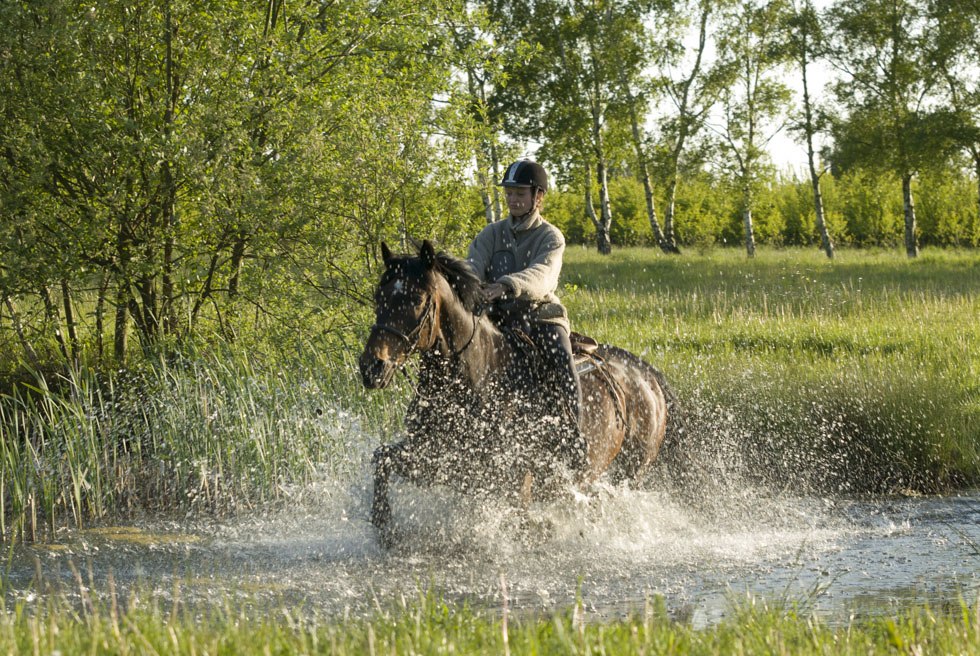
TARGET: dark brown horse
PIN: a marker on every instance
(476, 422)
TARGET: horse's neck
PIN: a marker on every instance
(474, 345)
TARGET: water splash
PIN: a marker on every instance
(611, 550)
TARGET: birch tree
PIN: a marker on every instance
(892, 121)
(692, 92)
(954, 51)
(754, 101)
(805, 42)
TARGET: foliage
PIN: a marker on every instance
(213, 156)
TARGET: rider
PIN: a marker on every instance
(519, 259)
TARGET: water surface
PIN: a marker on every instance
(614, 551)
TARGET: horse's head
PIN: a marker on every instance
(406, 315)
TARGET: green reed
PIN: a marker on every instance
(208, 433)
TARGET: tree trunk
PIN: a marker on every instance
(54, 318)
(481, 179)
(976, 168)
(825, 241)
(747, 222)
(604, 242)
(911, 244)
(121, 333)
(484, 150)
(167, 309)
(100, 303)
(237, 257)
(601, 231)
(70, 324)
(644, 171)
(604, 225)
(498, 208)
(669, 215)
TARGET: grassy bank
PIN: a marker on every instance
(855, 375)
(858, 374)
(431, 627)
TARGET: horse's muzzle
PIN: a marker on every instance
(376, 373)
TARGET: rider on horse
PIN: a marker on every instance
(519, 259)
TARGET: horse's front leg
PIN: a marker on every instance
(385, 459)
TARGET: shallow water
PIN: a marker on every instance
(614, 551)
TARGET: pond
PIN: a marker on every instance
(614, 551)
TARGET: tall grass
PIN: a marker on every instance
(428, 625)
(859, 374)
(849, 375)
(214, 433)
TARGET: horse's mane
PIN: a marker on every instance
(461, 277)
(458, 273)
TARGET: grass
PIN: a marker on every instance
(431, 626)
(853, 375)
(858, 374)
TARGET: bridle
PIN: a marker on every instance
(414, 337)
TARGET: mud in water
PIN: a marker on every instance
(613, 550)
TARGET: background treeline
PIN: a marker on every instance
(862, 210)
(175, 171)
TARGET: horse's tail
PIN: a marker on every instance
(671, 453)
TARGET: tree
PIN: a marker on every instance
(186, 162)
(953, 49)
(637, 90)
(563, 92)
(892, 121)
(754, 98)
(692, 93)
(805, 42)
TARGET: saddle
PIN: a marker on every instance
(513, 319)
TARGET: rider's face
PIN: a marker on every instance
(520, 200)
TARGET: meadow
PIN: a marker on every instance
(848, 376)
(853, 375)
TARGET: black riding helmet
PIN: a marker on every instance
(525, 173)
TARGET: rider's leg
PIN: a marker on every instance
(562, 381)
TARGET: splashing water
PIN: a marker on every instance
(612, 549)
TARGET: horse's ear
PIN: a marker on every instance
(427, 254)
(385, 253)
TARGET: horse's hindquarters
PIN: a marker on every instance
(624, 414)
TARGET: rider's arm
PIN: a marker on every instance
(481, 252)
(539, 278)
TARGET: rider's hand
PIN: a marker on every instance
(493, 291)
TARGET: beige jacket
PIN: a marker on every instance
(526, 258)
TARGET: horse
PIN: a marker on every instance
(477, 422)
